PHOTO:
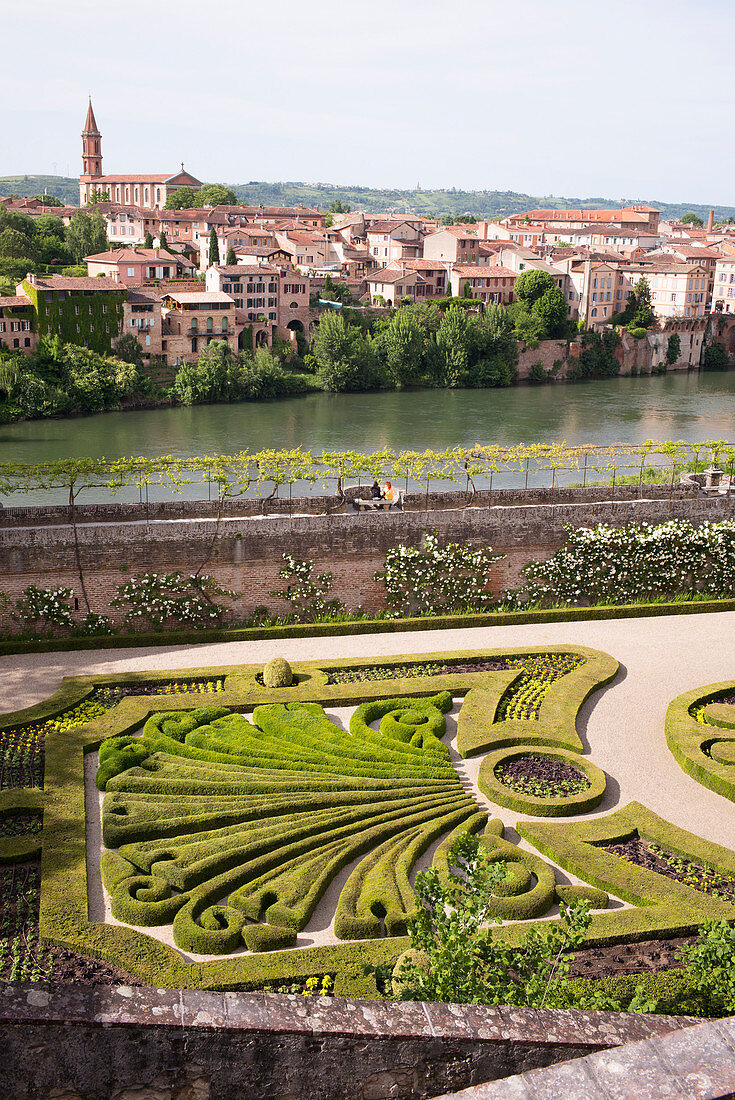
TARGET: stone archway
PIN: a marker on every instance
(295, 325)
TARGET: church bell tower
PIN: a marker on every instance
(91, 147)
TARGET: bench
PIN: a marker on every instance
(375, 504)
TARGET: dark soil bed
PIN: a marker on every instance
(542, 776)
(418, 668)
(628, 958)
(699, 876)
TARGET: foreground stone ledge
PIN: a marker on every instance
(108, 1042)
(698, 1061)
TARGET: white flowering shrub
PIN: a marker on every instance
(306, 594)
(95, 624)
(617, 564)
(158, 600)
(44, 607)
(435, 580)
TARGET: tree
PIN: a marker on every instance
(345, 358)
(213, 247)
(551, 308)
(128, 349)
(692, 219)
(97, 195)
(48, 200)
(336, 292)
(216, 194)
(162, 242)
(15, 245)
(148, 241)
(467, 289)
(339, 207)
(231, 260)
(644, 315)
(715, 357)
(86, 235)
(453, 341)
(184, 198)
(403, 343)
(673, 349)
(531, 285)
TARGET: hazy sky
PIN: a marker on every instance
(632, 98)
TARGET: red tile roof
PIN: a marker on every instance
(90, 282)
(246, 269)
(14, 300)
(485, 270)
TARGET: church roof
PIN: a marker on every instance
(90, 126)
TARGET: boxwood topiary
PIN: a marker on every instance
(277, 673)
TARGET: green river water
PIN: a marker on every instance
(688, 406)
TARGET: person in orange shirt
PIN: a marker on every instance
(388, 493)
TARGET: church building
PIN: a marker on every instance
(138, 190)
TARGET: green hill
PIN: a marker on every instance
(60, 187)
(481, 203)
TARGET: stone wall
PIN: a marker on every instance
(123, 1043)
(244, 553)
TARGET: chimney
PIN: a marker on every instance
(710, 221)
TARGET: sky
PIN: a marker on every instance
(627, 99)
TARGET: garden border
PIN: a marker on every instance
(685, 735)
(602, 612)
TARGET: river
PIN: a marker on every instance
(688, 406)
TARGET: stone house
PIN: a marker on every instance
(490, 285)
(193, 320)
(17, 329)
(134, 266)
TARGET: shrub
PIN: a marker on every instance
(637, 333)
(306, 594)
(277, 673)
(433, 580)
(44, 607)
(164, 599)
(673, 348)
(604, 564)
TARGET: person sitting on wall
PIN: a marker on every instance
(388, 494)
(375, 491)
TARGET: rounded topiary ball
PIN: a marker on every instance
(277, 673)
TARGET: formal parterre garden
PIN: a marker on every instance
(252, 838)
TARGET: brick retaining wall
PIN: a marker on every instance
(248, 551)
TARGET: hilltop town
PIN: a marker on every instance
(176, 271)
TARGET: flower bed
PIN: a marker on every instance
(699, 876)
(542, 776)
(542, 782)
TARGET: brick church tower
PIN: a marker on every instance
(91, 147)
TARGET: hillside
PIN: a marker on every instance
(482, 203)
(60, 187)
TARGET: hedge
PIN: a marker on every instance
(555, 806)
(698, 747)
(366, 626)
(18, 800)
(663, 906)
